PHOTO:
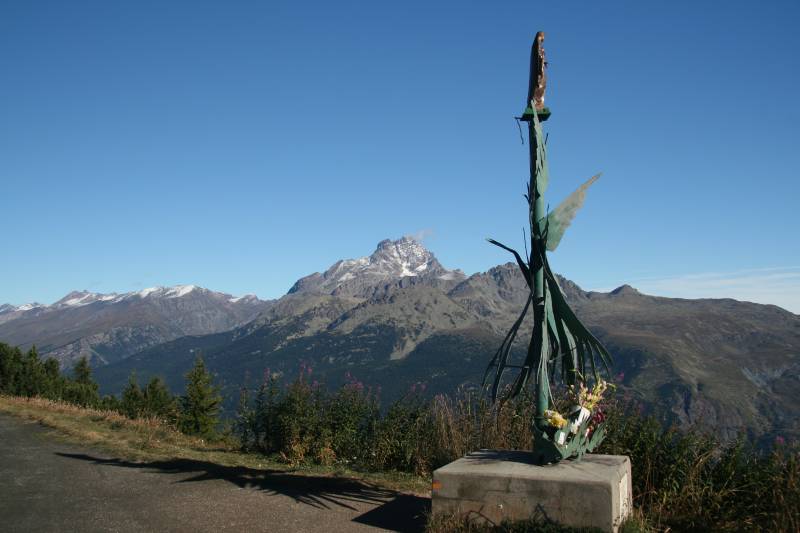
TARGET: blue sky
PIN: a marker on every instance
(242, 145)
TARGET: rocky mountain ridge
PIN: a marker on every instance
(109, 327)
(391, 261)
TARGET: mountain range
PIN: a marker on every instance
(397, 318)
(109, 327)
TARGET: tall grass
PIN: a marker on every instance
(302, 422)
(682, 480)
(689, 480)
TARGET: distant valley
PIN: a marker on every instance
(397, 318)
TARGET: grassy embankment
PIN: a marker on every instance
(152, 440)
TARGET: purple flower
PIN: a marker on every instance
(780, 441)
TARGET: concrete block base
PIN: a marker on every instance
(504, 485)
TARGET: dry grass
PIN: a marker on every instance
(154, 440)
(467, 422)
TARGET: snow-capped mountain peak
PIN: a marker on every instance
(391, 261)
(403, 257)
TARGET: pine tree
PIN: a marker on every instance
(10, 369)
(200, 406)
(265, 414)
(109, 402)
(33, 382)
(158, 400)
(132, 404)
(54, 381)
(243, 426)
(82, 372)
(82, 389)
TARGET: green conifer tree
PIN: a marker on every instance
(243, 426)
(33, 377)
(82, 372)
(10, 368)
(158, 400)
(109, 402)
(200, 406)
(82, 389)
(132, 404)
(265, 415)
(54, 381)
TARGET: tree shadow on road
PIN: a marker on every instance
(393, 510)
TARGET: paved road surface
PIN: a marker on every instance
(46, 485)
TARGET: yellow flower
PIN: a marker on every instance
(555, 419)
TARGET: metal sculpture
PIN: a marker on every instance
(559, 341)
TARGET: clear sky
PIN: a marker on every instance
(242, 145)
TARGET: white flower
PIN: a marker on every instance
(579, 415)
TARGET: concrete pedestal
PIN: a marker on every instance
(499, 485)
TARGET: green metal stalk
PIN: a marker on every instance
(537, 213)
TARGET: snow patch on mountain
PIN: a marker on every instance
(83, 298)
(177, 291)
(28, 307)
(144, 293)
(79, 298)
(245, 298)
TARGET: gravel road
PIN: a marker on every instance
(47, 485)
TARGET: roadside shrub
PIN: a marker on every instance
(689, 480)
(298, 421)
(350, 423)
(404, 438)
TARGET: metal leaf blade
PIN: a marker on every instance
(561, 217)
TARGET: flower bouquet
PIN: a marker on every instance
(577, 433)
